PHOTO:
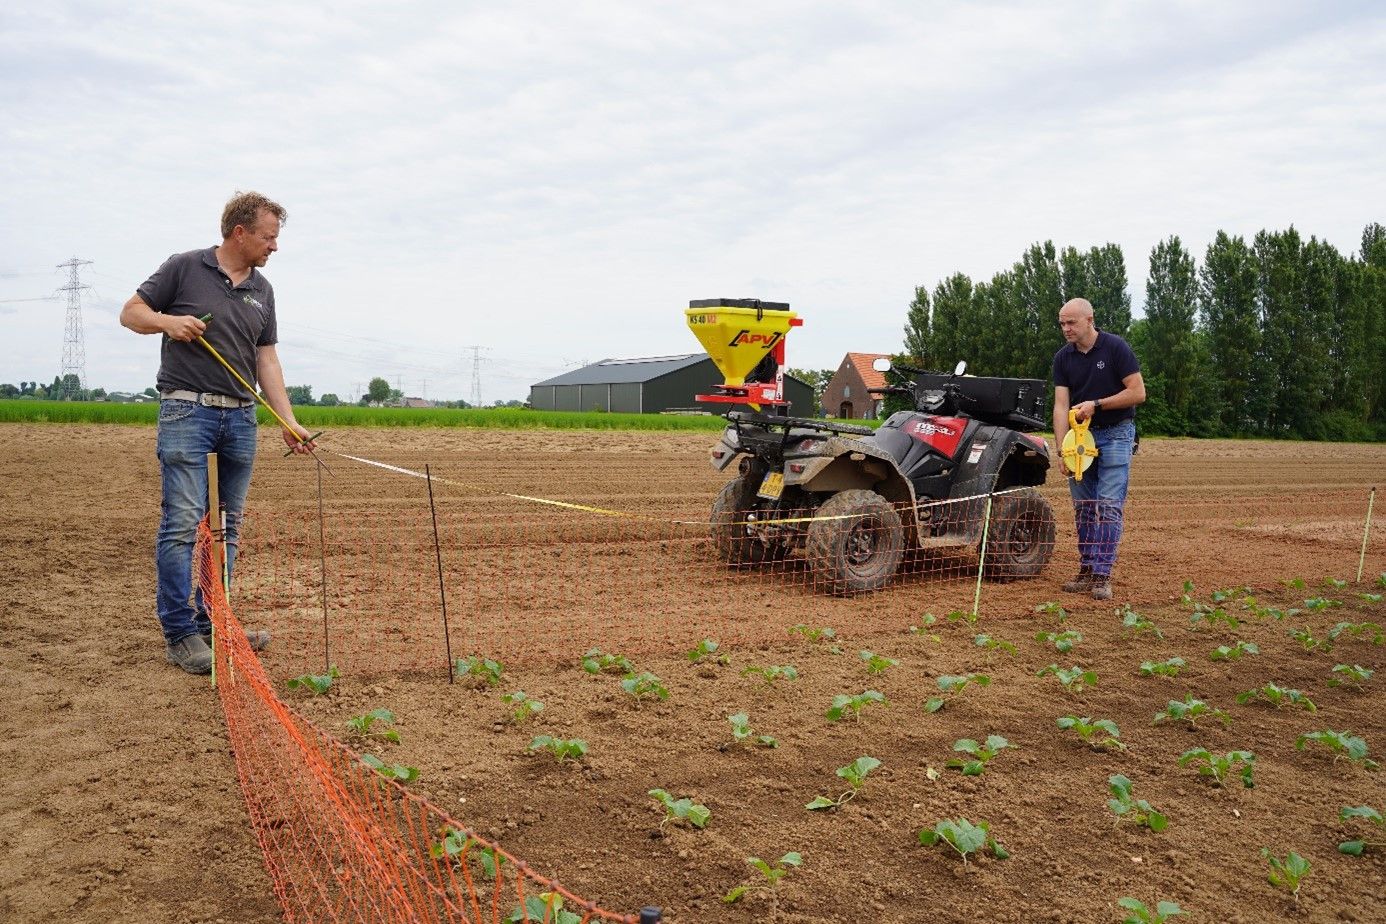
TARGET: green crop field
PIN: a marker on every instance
(29, 411)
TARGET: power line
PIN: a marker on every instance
(476, 373)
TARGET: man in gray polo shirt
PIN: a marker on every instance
(203, 408)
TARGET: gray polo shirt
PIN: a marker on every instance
(242, 319)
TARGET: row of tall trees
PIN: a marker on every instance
(1277, 337)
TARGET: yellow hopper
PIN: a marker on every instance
(738, 334)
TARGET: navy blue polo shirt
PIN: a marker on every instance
(1098, 373)
(242, 320)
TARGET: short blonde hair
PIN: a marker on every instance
(244, 209)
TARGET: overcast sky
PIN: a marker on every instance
(554, 181)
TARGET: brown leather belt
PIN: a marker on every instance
(206, 399)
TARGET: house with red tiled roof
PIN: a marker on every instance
(854, 391)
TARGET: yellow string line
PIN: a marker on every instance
(250, 388)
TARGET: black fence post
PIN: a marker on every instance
(650, 915)
(438, 556)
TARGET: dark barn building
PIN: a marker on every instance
(649, 385)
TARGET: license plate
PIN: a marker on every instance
(772, 486)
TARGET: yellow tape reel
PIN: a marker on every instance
(1079, 448)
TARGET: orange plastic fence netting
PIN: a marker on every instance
(366, 588)
(340, 841)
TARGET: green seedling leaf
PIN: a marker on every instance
(317, 684)
(1063, 641)
(1140, 914)
(1233, 652)
(853, 705)
(813, 635)
(877, 664)
(1371, 630)
(524, 706)
(1190, 710)
(460, 845)
(1367, 813)
(923, 628)
(363, 726)
(1295, 583)
(684, 809)
(993, 645)
(596, 662)
(561, 748)
(855, 774)
(1320, 604)
(1128, 808)
(390, 771)
(1052, 609)
(1279, 697)
(1098, 735)
(1341, 743)
(979, 755)
(1288, 873)
(643, 685)
(1133, 623)
(486, 670)
(963, 837)
(953, 685)
(705, 649)
(1075, 679)
(1308, 641)
(741, 731)
(1220, 768)
(546, 907)
(770, 875)
(1167, 668)
(773, 673)
(1350, 675)
(1371, 598)
(966, 616)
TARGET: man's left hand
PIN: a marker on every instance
(1085, 410)
(301, 443)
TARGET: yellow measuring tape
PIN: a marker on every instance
(1079, 447)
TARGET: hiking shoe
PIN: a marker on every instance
(191, 654)
(256, 638)
(1080, 584)
(1101, 587)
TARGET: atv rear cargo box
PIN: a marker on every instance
(1021, 401)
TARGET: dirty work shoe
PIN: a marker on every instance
(1101, 587)
(191, 654)
(1080, 584)
(256, 638)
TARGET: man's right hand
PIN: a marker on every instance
(184, 327)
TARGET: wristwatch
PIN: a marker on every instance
(1096, 404)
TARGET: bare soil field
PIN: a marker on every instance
(123, 802)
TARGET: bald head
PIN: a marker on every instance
(1075, 320)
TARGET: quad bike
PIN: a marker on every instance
(856, 502)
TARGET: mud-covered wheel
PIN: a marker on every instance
(1021, 537)
(737, 543)
(860, 552)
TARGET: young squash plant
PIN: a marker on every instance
(684, 809)
(1133, 623)
(742, 731)
(644, 684)
(705, 650)
(397, 772)
(597, 661)
(1288, 873)
(769, 881)
(979, 755)
(1098, 734)
(877, 664)
(561, 748)
(964, 838)
(1220, 768)
(1190, 710)
(992, 645)
(317, 684)
(1350, 675)
(1366, 813)
(855, 774)
(524, 706)
(772, 673)
(1063, 642)
(1277, 696)
(1075, 679)
(547, 907)
(1234, 652)
(364, 726)
(1140, 914)
(486, 670)
(458, 846)
(953, 685)
(1170, 667)
(843, 704)
(1127, 807)
(1341, 743)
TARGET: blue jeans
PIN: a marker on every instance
(187, 433)
(1099, 499)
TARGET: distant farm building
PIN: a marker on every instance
(855, 392)
(649, 385)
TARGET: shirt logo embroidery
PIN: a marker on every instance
(250, 300)
(1101, 363)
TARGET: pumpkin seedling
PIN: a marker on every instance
(1321, 604)
(1167, 668)
(853, 705)
(1233, 652)
(317, 684)
(992, 645)
(979, 755)
(459, 845)
(546, 907)
(1133, 623)
(524, 706)
(598, 662)
(1219, 768)
(1127, 807)
(825, 634)
(964, 837)
(1342, 744)
(1277, 696)
(1288, 873)
(643, 685)
(1210, 616)
(877, 664)
(396, 772)
(772, 673)
(363, 726)
(705, 649)
(741, 731)
(1350, 675)
(953, 685)
(1052, 609)
(1063, 641)
(1097, 734)
(1190, 710)
(684, 809)
(923, 629)
(1355, 848)
(487, 670)
(1140, 914)
(1372, 630)
(855, 774)
(1308, 641)
(1075, 679)
(560, 748)
(770, 878)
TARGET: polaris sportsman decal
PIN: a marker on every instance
(942, 433)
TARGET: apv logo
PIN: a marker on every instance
(746, 338)
(929, 428)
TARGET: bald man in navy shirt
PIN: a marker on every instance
(1098, 376)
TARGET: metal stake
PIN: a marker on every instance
(438, 556)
